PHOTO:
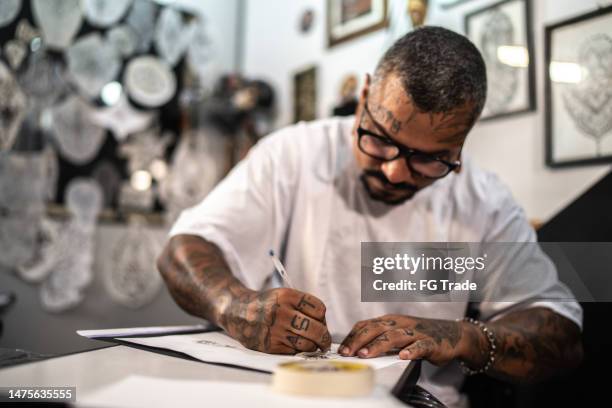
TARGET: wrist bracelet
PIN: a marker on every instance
(490, 338)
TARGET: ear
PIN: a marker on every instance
(365, 90)
(458, 168)
(366, 87)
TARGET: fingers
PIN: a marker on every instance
(386, 342)
(421, 349)
(356, 328)
(365, 331)
(310, 329)
(282, 349)
(303, 315)
(361, 335)
(299, 343)
(311, 306)
(306, 303)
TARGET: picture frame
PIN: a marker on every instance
(448, 4)
(305, 95)
(578, 96)
(503, 34)
(349, 19)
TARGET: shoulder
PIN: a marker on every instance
(477, 186)
(308, 143)
(480, 197)
(310, 135)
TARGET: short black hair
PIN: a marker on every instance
(439, 69)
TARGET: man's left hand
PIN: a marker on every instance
(437, 341)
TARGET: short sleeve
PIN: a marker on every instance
(247, 213)
(519, 274)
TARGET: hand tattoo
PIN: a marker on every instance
(302, 325)
(303, 303)
(440, 330)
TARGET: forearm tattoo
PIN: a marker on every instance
(201, 282)
(440, 330)
(250, 319)
(532, 345)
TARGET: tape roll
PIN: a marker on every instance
(324, 379)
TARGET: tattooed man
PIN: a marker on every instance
(394, 172)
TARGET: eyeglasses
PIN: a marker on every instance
(384, 148)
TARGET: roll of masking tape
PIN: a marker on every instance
(324, 378)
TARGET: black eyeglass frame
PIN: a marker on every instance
(406, 152)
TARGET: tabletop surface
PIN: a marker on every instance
(92, 370)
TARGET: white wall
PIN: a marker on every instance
(222, 17)
(274, 49)
(520, 140)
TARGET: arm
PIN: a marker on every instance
(532, 344)
(274, 321)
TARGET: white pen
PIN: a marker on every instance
(280, 269)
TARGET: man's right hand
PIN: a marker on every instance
(274, 321)
(278, 321)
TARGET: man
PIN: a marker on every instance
(314, 191)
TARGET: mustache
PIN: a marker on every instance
(382, 178)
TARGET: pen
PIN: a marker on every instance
(280, 269)
(283, 273)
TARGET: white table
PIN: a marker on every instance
(92, 370)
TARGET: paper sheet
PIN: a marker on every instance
(140, 331)
(139, 391)
(217, 347)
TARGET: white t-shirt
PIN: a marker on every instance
(298, 192)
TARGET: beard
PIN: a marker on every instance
(390, 193)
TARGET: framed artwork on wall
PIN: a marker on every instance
(503, 34)
(446, 4)
(579, 90)
(305, 95)
(348, 19)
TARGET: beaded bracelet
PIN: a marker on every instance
(490, 338)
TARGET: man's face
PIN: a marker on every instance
(392, 114)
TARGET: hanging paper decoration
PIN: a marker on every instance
(198, 163)
(79, 139)
(23, 183)
(92, 63)
(103, 13)
(142, 149)
(25, 32)
(122, 119)
(68, 260)
(200, 52)
(12, 106)
(15, 51)
(43, 79)
(149, 81)
(8, 11)
(172, 35)
(123, 39)
(141, 20)
(59, 21)
(133, 280)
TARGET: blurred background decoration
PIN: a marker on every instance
(418, 11)
(348, 100)
(115, 116)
